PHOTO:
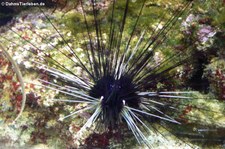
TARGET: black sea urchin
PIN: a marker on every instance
(123, 74)
(114, 94)
(122, 85)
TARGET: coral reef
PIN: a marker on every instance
(40, 125)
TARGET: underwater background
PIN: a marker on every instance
(26, 28)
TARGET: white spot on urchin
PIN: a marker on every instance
(124, 102)
(101, 98)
